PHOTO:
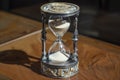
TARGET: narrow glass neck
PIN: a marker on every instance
(59, 39)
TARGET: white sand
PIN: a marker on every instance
(65, 26)
(58, 57)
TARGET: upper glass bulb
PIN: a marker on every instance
(59, 25)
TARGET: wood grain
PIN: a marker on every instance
(19, 60)
(13, 26)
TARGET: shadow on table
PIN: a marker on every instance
(20, 58)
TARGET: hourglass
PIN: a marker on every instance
(59, 61)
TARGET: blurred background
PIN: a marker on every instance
(98, 19)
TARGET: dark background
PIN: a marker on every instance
(99, 19)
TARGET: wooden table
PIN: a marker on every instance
(19, 57)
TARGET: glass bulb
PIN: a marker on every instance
(59, 25)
